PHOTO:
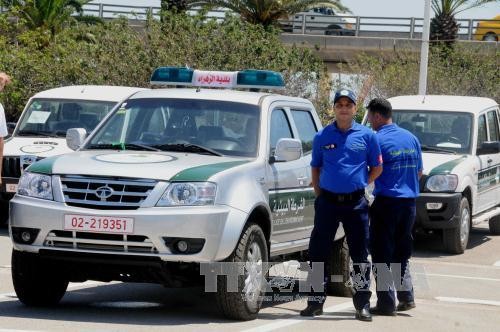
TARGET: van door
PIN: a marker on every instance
(489, 172)
(286, 182)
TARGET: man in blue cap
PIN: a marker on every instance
(392, 213)
(345, 159)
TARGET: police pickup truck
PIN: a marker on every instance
(41, 131)
(173, 178)
(460, 142)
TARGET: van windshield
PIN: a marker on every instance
(438, 130)
(53, 117)
(190, 125)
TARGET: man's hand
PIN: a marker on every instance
(4, 80)
(315, 171)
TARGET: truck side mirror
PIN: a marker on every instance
(488, 148)
(287, 149)
(75, 138)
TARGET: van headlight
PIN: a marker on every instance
(442, 182)
(188, 193)
(35, 185)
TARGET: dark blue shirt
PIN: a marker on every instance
(344, 157)
(402, 162)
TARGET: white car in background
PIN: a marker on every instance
(41, 129)
(321, 20)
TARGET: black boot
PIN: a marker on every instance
(364, 314)
(313, 309)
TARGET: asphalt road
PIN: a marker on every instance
(453, 293)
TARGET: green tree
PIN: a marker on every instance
(176, 6)
(48, 15)
(268, 12)
(444, 26)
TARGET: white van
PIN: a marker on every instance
(41, 130)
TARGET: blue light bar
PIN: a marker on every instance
(172, 76)
(261, 79)
(249, 79)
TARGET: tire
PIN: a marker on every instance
(241, 305)
(36, 284)
(340, 266)
(491, 37)
(495, 225)
(455, 240)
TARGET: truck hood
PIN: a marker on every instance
(166, 166)
(440, 163)
(37, 146)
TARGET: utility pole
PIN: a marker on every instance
(424, 52)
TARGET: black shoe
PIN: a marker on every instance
(312, 310)
(404, 306)
(364, 314)
(378, 312)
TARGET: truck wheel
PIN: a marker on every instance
(340, 266)
(250, 253)
(456, 239)
(495, 225)
(36, 284)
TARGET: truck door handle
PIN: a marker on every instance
(490, 161)
(302, 180)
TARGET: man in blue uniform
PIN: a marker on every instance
(345, 159)
(392, 213)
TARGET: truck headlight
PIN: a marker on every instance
(188, 193)
(442, 182)
(35, 185)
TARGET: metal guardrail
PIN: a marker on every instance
(312, 24)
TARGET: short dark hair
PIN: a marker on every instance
(381, 106)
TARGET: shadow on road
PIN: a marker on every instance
(142, 304)
(431, 245)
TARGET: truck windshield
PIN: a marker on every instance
(190, 125)
(53, 117)
(438, 131)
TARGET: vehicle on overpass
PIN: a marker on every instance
(488, 30)
(320, 20)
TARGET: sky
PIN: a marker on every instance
(379, 8)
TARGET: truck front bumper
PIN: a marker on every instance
(438, 210)
(215, 228)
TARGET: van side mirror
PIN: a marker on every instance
(75, 138)
(488, 148)
(287, 149)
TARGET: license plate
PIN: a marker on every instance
(102, 224)
(11, 187)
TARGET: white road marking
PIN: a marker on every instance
(456, 276)
(469, 301)
(5, 266)
(292, 321)
(419, 261)
(497, 263)
(12, 330)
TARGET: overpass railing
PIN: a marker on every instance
(313, 24)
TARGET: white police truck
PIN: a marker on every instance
(173, 178)
(41, 130)
(460, 186)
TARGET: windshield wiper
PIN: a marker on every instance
(36, 133)
(123, 146)
(187, 147)
(436, 149)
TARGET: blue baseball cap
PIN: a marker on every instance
(345, 93)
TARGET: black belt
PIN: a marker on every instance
(344, 197)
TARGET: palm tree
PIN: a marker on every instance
(268, 12)
(46, 14)
(444, 26)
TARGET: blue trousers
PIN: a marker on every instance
(391, 244)
(354, 218)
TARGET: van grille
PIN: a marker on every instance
(105, 193)
(11, 167)
(100, 242)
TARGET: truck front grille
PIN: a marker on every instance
(11, 167)
(100, 242)
(105, 193)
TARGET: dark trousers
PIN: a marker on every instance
(354, 218)
(391, 242)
